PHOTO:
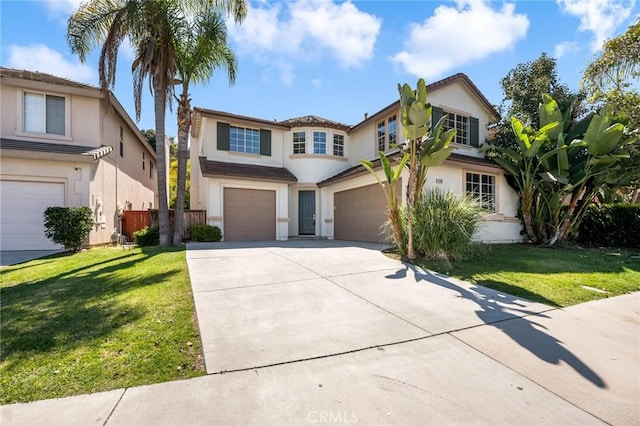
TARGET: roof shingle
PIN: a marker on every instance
(211, 168)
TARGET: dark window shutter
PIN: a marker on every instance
(265, 142)
(436, 115)
(474, 132)
(223, 136)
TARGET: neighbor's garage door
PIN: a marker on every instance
(360, 213)
(22, 206)
(249, 214)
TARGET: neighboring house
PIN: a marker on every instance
(265, 180)
(63, 144)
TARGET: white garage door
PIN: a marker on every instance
(22, 206)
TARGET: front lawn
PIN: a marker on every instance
(554, 276)
(97, 320)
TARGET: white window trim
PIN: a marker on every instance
(326, 142)
(344, 144)
(496, 214)
(245, 140)
(20, 116)
(468, 135)
(387, 144)
(306, 143)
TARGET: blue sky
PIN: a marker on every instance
(342, 59)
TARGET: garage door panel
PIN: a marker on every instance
(23, 204)
(249, 214)
(360, 214)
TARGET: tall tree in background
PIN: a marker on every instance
(152, 27)
(614, 77)
(201, 50)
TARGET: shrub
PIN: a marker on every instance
(69, 226)
(611, 225)
(147, 236)
(205, 233)
(444, 225)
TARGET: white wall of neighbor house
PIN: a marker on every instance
(363, 144)
(215, 201)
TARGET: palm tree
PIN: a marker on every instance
(200, 51)
(152, 26)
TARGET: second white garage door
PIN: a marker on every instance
(21, 217)
(360, 214)
(249, 214)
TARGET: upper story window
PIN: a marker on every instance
(467, 127)
(150, 170)
(241, 139)
(483, 188)
(319, 142)
(299, 142)
(244, 140)
(387, 133)
(143, 161)
(338, 145)
(121, 142)
(461, 124)
(44, 114)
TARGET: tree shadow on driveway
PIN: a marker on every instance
(524, 331)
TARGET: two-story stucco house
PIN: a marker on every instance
(261, 180)
(63, 144)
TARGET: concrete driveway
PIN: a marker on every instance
(397, 344)
(324, 332)
(12, 257)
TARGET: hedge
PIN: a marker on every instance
(611, 225)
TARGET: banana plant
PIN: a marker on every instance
(425, 146)
(389, 187)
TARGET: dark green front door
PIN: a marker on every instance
(307, 212)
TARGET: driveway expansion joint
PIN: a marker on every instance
(115, 406)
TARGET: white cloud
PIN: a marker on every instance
(65, 7)
(457, 35)
(281, 34)
(601, 17)
(38, 57)
(564, 48)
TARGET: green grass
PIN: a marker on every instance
(554, 276)
(97, 320)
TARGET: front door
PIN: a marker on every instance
(307, 212)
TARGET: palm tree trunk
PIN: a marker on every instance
(160, 103)
(184, 123)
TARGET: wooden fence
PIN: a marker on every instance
(190, 217)
(134, 220)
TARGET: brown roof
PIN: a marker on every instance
(55, 148)
(358, 169)
(212, 168)
(314, 121)
(231, 116)
(43, 77)
(461, 77)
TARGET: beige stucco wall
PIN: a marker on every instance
(112, 180)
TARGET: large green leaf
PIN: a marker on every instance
(549, 112)
(436, 158)
(419, 115)
(507, 165)
(607, 141)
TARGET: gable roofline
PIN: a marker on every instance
(459, 77)
(66, 83)
(211, 113)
